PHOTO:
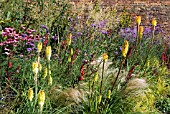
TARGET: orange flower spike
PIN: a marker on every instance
(105, 57)
(141, 29)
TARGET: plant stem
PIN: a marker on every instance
(102, 78)
(114, 83)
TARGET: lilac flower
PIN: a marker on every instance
(104, 32)
(116, 53)
(29, 49)
(79, 33)
(55, 38)
(45, 27)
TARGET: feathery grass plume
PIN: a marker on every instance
(39, 47)
(140, 32)
(30, 94)
(154, 22)
(96, 76)
(108, 94)
(138, 20)
(125, 48)
(41, 99)
(35, 67)
(45, 72)
(69, 39)
(105, 57)
(99, 99)
(48, 52)
(70, 97)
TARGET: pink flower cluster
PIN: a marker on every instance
(15, 38)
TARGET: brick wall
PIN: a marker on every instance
(160, 9)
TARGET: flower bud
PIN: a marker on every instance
(154, 22)
(108, 94)
(35, 67)
(105, 57)
(50, 80)
(138, 20)
(96, 76)
(41, 98)
(125, 48)
(30, 94)
(69, 59)
(45, 72)
(48, 52)
(39, 47)
(140, 32)
(71, 51)
(68, 40)
(99, 99)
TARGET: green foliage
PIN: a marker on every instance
(93, 30)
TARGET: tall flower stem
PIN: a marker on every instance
(101, 84)
(114, 83)
(149, 47)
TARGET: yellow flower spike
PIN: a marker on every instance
(105, 57)
(99, 99)
(108, 94)
(41, 98)
(35, 67)
(71, 51)
(141, 29)
(125, 48)
(68, 40)
(138, 20)
(30, 94)
(39, 67)
(96, 76)
(154, 22)
(48, 52)
(69, 59)
(50, 80)
(148, 63)
(39, 47)
(45, 72)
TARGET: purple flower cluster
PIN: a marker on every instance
(130, 33)
(18, 39)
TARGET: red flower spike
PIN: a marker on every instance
(80, 78)
(9, 64)
(45, 42)
(131, 71)
(130, 51)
